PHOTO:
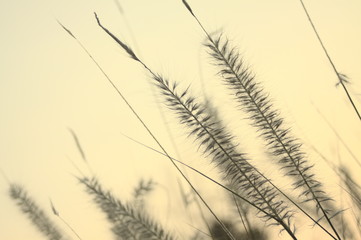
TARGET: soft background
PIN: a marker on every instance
(48, 84)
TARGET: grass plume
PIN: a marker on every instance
(78, 145)
(36, 215)
(134, 57)
(128, 223)
(250, 193)
(256, 103)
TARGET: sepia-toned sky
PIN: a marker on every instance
(49, 85)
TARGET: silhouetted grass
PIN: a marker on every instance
(342, 78)
(128, 222)
(36, 215)
(251, 193)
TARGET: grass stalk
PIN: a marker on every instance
(131, 53)
(341, 77)
(161, 113)
(256, 103)
(217, 143)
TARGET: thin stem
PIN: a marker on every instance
(341, 80)
(67, 224)
(240, 215)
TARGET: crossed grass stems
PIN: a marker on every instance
(219, 143)
(245, 182)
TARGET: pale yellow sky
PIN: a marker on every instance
(48, 83)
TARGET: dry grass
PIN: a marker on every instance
(251, 193)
